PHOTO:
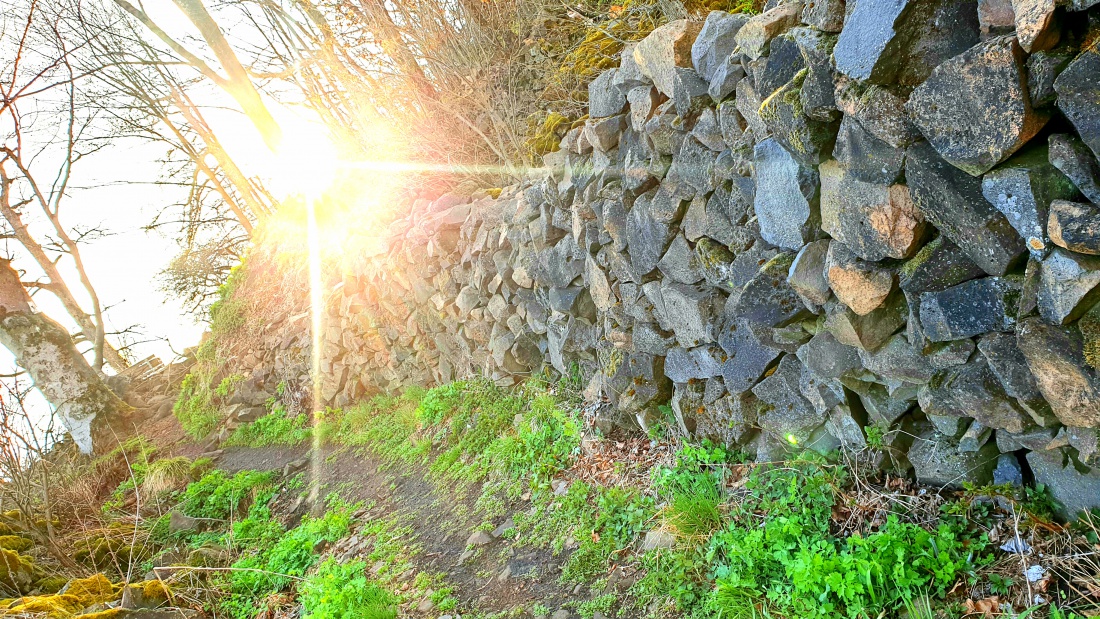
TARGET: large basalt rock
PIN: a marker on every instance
(716, 264)
(754, 37)
(1073, 489)
(995, 17)
(1075, 226)
(710, 218)
(643, 101)
(1038, 24)
(767, 299)
(1076, 161)
(1010, 366)
(599, 286)
(648, 235)
(937, 461)
(783, 62)
(972, 308)
(825, 15)
(880, 110)
(746, 358)
(953, 202)
(786, 202)
(1023, 189)
(702, 362)
(807, 273)
(871, 44)
(708, 131)
(604, 133)
(729, 420)
(818, 88)
(1056, 358)
(1069, 284)
(694, 163)
(786, 413)
(867, 332)
(663, 50)
(866, 157)
(975, 109)
(731, 123)
(828, 358)
(861, 286)
(646, 386)
(823, 393)
(901, 40)
(1079, 96)
(680, 264)
(559, 265)
(808, 140)
(604, 98)
(874, 221)
(691, 312)
(899, 360)
(973, 390)
(883, 409)
(938, 266)
(715, 42)
(690, 93)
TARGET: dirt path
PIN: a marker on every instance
(441, 524)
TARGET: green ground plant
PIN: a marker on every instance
(342, 591)
(218, 495)
(228, 313)
(196, 407)
(620, 516)
(276, 428)
(290, 556)
(692, 487)
(790, 562)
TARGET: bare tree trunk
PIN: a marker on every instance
(83, 402)
(91, 330)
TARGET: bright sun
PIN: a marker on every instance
(306, 161)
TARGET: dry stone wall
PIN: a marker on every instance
(802, 228)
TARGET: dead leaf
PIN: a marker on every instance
(987, 607)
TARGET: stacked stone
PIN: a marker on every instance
(797, 227)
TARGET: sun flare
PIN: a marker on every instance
(306, 161)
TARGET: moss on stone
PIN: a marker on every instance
(111, 613)
(111, 547)
(95, 588)
(547, 134)
(712, 254)
(51, 584)
(17, 572)
(924, 255)
(155, 590)
(1090, 330)
(50, 605)
(612, 361)
(15, 542)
